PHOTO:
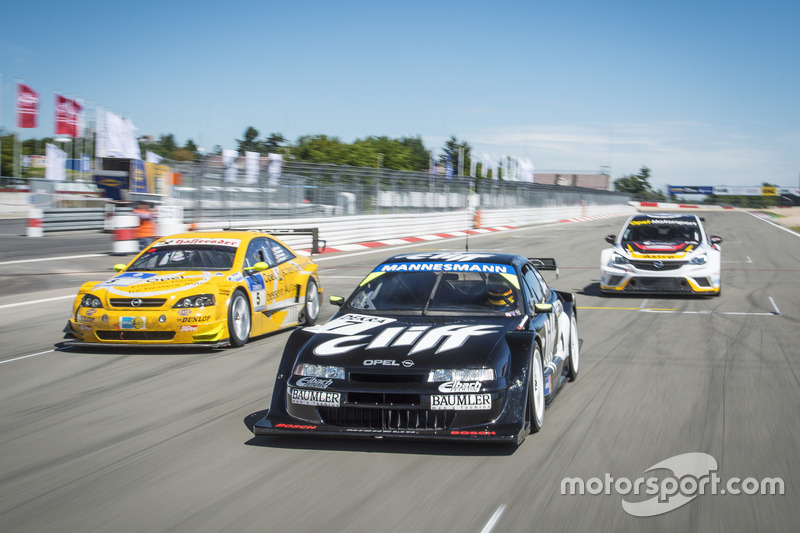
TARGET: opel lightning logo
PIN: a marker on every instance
(136, 302)
(658, 264)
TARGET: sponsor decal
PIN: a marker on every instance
(408, 363)
(315, 397)
(84, 327)
(351, 324)
(294, 426)
(199, 242)
(482, 433)
(188, 319)
(90, 312)
(461, 402)
(460, 386)
(188, 328)
(419, 338)
(148, 284)
(184, 312)
(86, 319)
(394, 431)
(315, 383)
(235, 277)
(446, 267)
(131, 322)
(548, 384)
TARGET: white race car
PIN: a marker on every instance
(662, 253)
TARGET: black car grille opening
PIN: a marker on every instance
(386, 419)
(665, 265)
(702, 282)
(366, 377)
(142, 302)
(383, 399)
(658, 285)
(107, 335)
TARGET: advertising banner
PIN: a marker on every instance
(27, 106)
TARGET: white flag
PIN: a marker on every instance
(116, 137)
(274, 169)
(229, 161)
(153, 157)
(251, 166)
(56, 163)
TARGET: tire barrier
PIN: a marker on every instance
(125, 240)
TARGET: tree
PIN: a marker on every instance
(250, 143)
(454, 149)
(273, 142)
(638, 185)
(419, 157)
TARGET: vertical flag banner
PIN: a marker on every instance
(274, 168)
(116, 137)
(67, 116)
(27, 106)
(229, 161)
(56, 163)
(251, 166)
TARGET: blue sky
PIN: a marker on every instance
(702, 92)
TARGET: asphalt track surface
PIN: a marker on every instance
(135, 440)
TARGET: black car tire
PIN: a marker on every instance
(574, 350)
(239, 319)
(534, 407)
(310, 311)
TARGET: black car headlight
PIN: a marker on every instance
(201, 300)
(319, 371)
(617, 259)
(90, 300)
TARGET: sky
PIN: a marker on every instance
(702, 92)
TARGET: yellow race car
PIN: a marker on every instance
(215, 289)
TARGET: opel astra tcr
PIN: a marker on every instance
(662, 253)
(212, 289)
(465, 346)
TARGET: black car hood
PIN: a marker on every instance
(418, 342)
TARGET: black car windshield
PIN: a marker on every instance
(185, 258)
(662, 230)
(438, 293)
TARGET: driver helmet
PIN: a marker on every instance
(499, 296)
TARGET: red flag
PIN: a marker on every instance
(67, 113)
(27, 106)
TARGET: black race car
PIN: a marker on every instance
(464, 346)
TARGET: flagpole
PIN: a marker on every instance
(14, 155)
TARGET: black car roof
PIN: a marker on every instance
(458, 257)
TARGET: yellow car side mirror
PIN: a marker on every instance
(258, 267)
(119, 267)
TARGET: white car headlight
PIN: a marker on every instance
(319, 371)
(201, 300)
(618, 259)
(699, 260)
(460, 374)
(90, 300)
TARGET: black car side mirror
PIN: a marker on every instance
(336, 300)
(611, 238)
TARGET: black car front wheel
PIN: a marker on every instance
(239, 319)
(534, 410)
(574, 350)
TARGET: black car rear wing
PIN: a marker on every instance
(317, 245)
(544, 263)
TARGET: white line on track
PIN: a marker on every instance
(44, 300)
(26, 356)
(51, 259)
(787, 230)
(493, 520)
(777, 311)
